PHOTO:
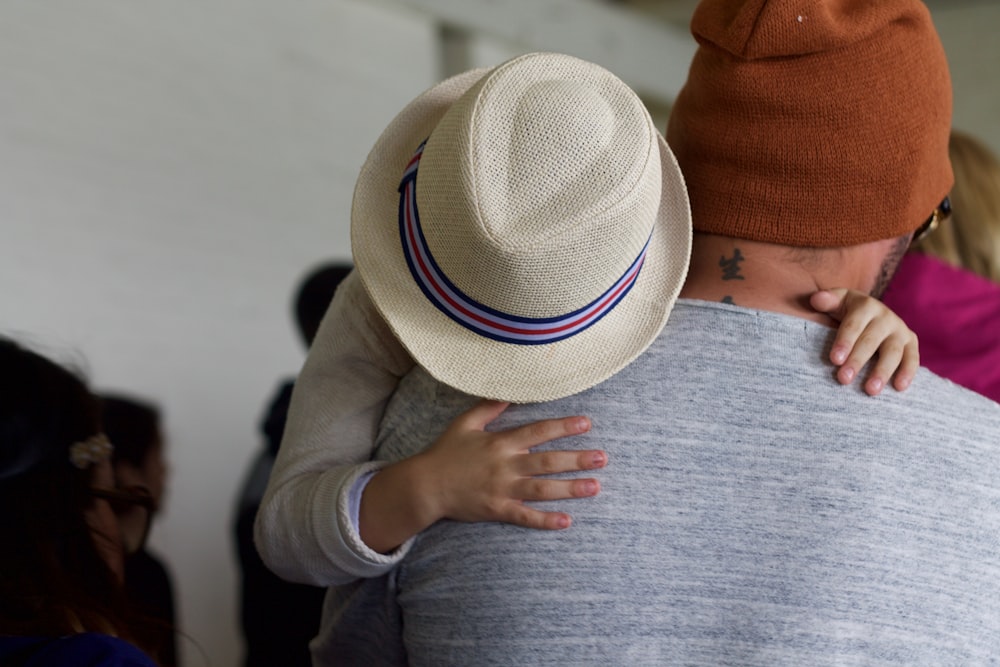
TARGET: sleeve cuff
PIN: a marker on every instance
(363, 561)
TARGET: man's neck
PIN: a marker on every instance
(770, 277)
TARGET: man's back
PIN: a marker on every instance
(753, 512)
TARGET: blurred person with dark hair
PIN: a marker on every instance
(139, 462)
(62, 557)
(947, 288)
(279, 618)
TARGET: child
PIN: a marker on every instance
(331, 515)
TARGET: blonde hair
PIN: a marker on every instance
(971, 238)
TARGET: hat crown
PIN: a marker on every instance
(538, 182)
(532, 176)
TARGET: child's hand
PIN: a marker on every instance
(478, 475)
(866, 326)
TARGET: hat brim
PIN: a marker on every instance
(481, 366)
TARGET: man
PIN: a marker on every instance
(753, 511)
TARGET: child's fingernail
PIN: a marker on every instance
(582, 424)
(839, 355)
(902, 383)
(847, 374)
(599, 459)
(590, 487)
(875, 386)
(563, 522)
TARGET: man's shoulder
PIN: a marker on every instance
(949, 399)
(714, 356)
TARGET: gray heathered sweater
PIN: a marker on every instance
(753, 512)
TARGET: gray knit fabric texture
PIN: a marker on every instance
(753, 512)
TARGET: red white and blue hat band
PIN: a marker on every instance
(477, 317)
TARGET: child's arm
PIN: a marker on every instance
(868, 326)
(352, 368)
(305, 527)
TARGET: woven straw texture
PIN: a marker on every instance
(540, 183)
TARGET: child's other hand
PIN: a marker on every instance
(868, 326)
(477, 475)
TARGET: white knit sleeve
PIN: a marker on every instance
(303, 529)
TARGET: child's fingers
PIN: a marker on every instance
(541, 488)
(890, 354)
(844, 344)
(847, 306)
(899, 359)
(549, 463)
(538, 433)
(868, 327)
(528, 517)
(871, 340)
(855, 313)
(516, 512)
(831, 302)
(480, 414)
(908, 369)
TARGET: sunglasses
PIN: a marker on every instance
(940, 214)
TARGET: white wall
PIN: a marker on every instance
(168, 171)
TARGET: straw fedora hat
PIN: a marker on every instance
(524, 230)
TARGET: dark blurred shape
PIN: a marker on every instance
(280, 618)
(133, 426)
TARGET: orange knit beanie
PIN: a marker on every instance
(814, 123)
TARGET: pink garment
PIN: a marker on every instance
(956, 315)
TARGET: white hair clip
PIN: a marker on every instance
(94, 449)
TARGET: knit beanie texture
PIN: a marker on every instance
(814, 123)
